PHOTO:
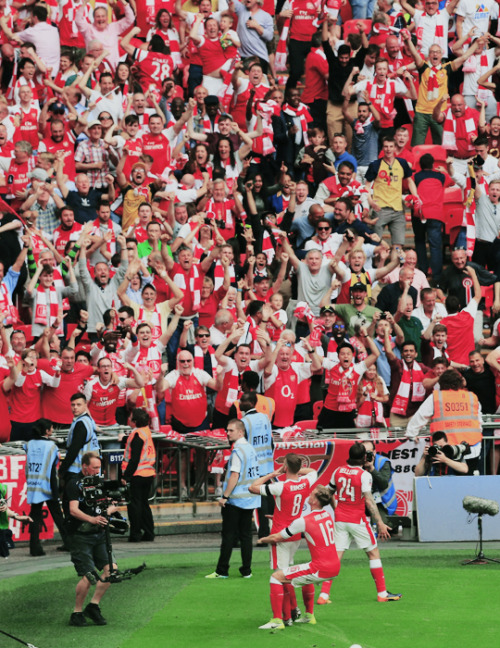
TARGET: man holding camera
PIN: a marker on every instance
(87, 539)
(438, 461)
(383, 491)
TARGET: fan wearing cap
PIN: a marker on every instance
(339, 409)
(92, 156)
(358, 312)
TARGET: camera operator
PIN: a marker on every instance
(383, 490)
(87, 539)
(440, 464)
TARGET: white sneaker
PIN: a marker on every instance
(218, 492)
(274, 624)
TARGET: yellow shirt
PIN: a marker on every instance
(388, 185)
(163, 308)
(189, 6)
(424, 105)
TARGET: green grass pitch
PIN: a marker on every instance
(171, 604)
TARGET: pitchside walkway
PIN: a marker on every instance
(20, 562)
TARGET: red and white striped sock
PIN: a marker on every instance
(377, 573)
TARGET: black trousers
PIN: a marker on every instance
(297, 53)
(266, 508)
(36, 515)
(139, 511)
(318, 112)
(331, 419)
(236, 525)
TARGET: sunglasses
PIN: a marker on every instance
(323, 229)
(203, 335)
(104, 118)
(185, 361)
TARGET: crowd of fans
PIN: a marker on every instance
(201, 199)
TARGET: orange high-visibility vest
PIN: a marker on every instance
(146, 465)
(457, 414)
(265, 405)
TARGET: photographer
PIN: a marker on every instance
(439, 464)
(138, 467)
(87, 539)
(383, 491)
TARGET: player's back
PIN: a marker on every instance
(319, 533)
(351, 482)
(290, 502)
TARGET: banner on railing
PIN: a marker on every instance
(13, 476)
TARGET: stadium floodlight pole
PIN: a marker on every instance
(30, 645)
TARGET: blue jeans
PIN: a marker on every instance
(360, 9)
(434, 230)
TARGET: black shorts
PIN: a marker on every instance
(88, 552)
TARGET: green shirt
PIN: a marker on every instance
(353, 317)
(144, 249)
(412, 329)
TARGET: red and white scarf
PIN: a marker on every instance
(466, 126)
(195, 284)
(280, 59)
(263, 145)
(439, 33)
(433, 83)
(233, 390)
(302, 113)
(269, 243)
(411, 380)
(199, 358)
(154, 321)
(96, 231)
(219, 275)
(7, 306)
(359, 126)
(383, 97)
(249, 336)
(46, 312)
(469, 217)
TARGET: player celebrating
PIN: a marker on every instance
(290, 496)
(325, 565)
(353, 488)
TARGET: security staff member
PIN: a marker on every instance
(138, 468)
(87, 540)
(452, 410)
(42, 486)
(383, 489)
(237, 502)
(82, 438)
(250, 381)
(260, 436)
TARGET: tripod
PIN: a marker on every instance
(115, 575)
(480, 559)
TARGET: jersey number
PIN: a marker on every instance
(161, 71)
(346, 490)
(327, 532)
(297, 505)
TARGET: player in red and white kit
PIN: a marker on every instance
(319, 532)
(290, 497)
(353, 492)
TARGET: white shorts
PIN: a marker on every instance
(300, 575)
(361, 533)
(283, 553)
